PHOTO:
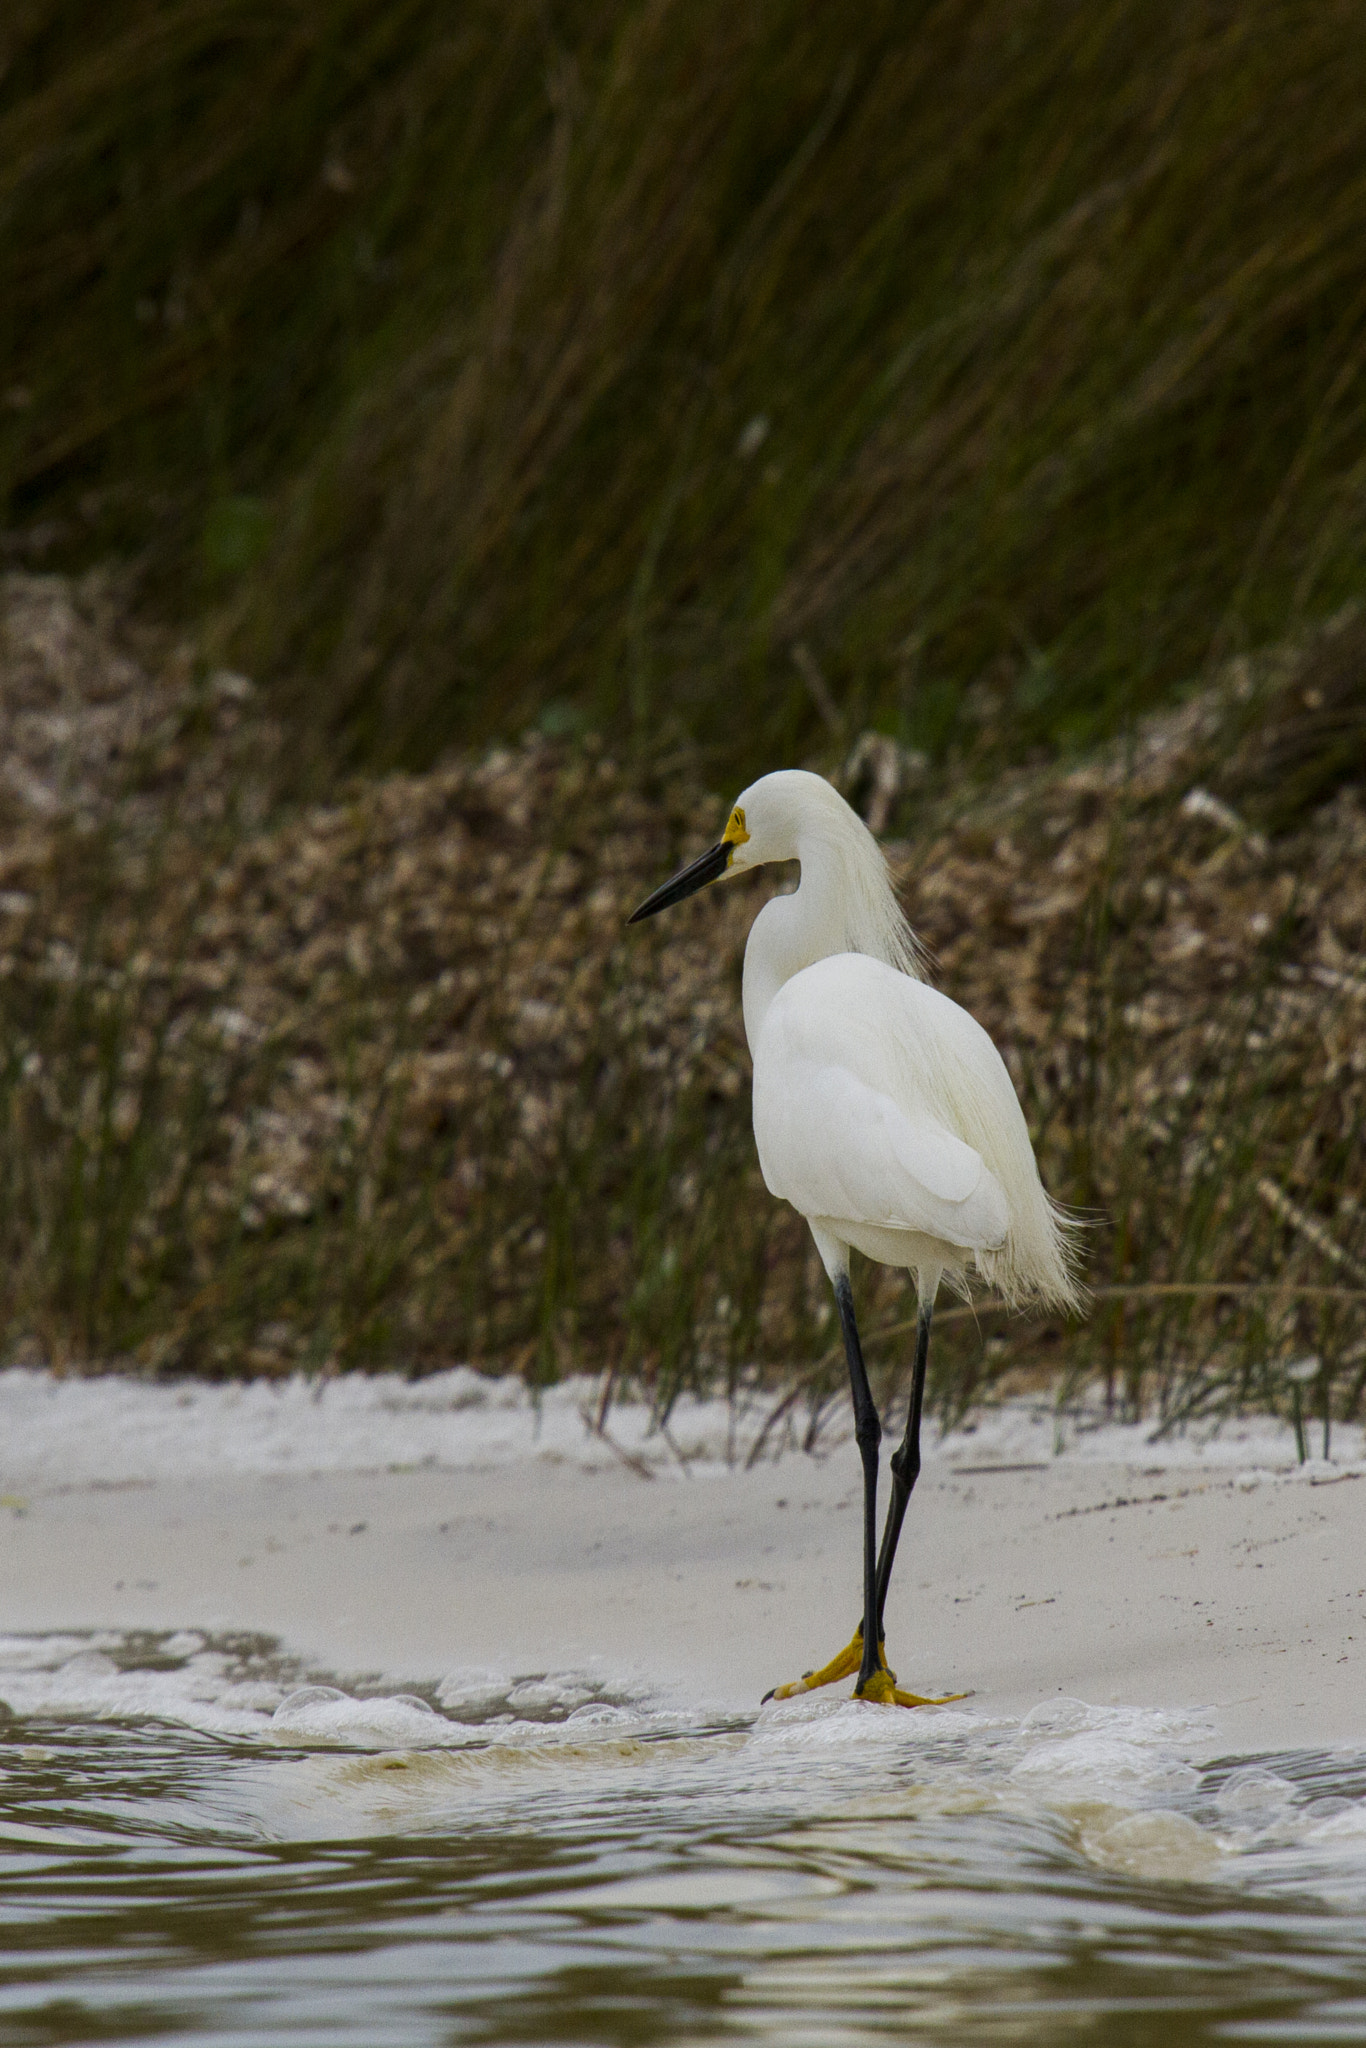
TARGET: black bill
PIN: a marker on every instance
(706, 868)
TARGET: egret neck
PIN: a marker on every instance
(793, 932)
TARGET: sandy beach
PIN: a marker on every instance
(444, 1528)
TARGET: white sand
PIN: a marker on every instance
(442, 1528)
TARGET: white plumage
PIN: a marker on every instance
(847, 1130)
(882, 1112)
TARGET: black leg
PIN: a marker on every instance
(905, 1464)
(867, 1435)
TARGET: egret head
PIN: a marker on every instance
(769, 822)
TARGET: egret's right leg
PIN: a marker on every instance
(864, 1652)
(868, 1436)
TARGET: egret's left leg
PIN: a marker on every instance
(905, 1472)
(905, 1462)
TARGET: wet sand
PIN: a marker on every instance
(1233, 1589)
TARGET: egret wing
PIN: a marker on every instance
(836, 1147)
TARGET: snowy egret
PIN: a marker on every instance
(883, 1113)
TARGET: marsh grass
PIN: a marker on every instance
(661, 1261)
(386, 1083)
(139, 1224)
(1176, 1200)
(510, 364)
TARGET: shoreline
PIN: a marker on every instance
(1197, 1581)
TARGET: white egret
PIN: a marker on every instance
(883, 1113)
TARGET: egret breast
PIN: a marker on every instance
(849, 1126)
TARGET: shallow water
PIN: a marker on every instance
(202, 1842)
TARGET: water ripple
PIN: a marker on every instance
(204, 1840)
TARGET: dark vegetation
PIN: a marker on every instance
(691, 389)
(574, 364)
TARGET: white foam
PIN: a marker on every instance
(323, 1714)
(90, 1685)
(1067, 1752)
(1156, 1844)
(70, 1677)
(1251, 1448)
(1120, 1783)
(821, 1722)
(116, 1429)
(1105, 1767)
(112, 1428)
(1347, 1828)
(468, 1694)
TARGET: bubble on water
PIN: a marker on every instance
(1149, 1725)
(1156, 1844)
(1253, 1794)
(309, 1696)
(1104, 1767)
(600, 1714)
(541, 1695)
(473, 1692)
(89, 1664)
(185, 1642)
(323, 1714)
(1058, 1717)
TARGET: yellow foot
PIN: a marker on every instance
(884, 1690)
(881, 1688)
(842, 1666)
